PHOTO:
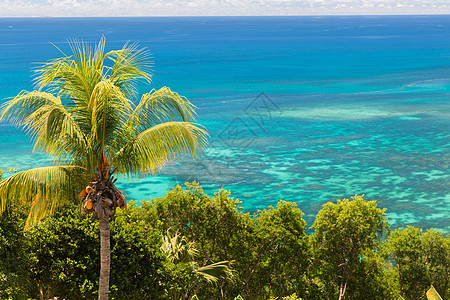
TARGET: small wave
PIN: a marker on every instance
(427, 81)
(376, 37)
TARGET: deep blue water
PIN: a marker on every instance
(305, 109)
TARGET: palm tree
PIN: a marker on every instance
(179, 250)
(82, 113)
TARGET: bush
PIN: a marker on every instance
(63, 251)
(420, 259)
(271, 255)
(13, 270)
(346, 233)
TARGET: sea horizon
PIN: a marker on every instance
(228, 16)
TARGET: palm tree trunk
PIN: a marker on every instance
(105, 259)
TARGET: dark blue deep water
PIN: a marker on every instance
(305, 109)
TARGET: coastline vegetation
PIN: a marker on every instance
(350, 254)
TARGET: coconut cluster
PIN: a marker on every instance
(102, 199)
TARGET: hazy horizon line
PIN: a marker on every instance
(266, 15)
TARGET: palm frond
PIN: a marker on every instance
(153, 148)
(177, 248)
(154, 108)
(50, 125)
(109, 110)
(130, 65)
(99, 53)
(213, 272)
(46, 189)
(64, 78)
(160, 106)
(73, 77)
(19, 108)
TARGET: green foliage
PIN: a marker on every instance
(371, 279)
(60, 256)
(269, 250)
(290, 297)
(138, 267)
(281, 254)
(63, 255)
(49, 188)
(166, 249)
(215, 225)
(344, 234)
(12, 248)
(177, 248)
(431, 294)
(179, 252)
(12, 243)
(420, 259)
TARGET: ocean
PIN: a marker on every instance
(305, 109)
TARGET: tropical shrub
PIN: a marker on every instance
(61, 258)
(13, 270)
(268, 251)
(184, 245)
(216, 226)
(420, 259)
(280, 253)
(345, 234)
(139, 268)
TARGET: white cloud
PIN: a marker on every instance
(61, 8)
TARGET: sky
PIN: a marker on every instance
(116, 8)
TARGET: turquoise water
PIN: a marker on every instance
(305, 109)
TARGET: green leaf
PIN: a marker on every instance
(214, 271)
(155, 146)
(46, 189)
(432, 294)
